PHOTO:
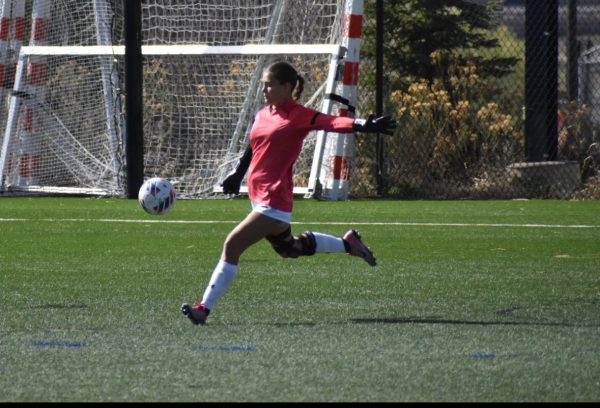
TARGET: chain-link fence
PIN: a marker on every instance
(492, 99)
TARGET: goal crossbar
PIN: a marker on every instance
(189, 49)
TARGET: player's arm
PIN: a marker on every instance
(233, 181)
(372, 124)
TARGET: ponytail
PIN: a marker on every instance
(297, 92)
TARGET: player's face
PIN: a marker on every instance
(274, 92)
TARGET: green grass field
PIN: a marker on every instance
(471, 301)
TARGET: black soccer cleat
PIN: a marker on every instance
(197, 313)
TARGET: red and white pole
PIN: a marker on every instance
(18, 32)
(9, 155)
(12, 30)
(37, 77)
(339, 148)
(5, 21)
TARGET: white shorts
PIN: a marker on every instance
(272, 212)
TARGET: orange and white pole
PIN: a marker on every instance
(339, 148)
(36, 80)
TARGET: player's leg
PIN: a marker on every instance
(350, 243)
(251, 230)
(309, 243)
(248, 232)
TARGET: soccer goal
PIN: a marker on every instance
(63, 112)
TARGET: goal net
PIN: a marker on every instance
(63, 98)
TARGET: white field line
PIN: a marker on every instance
(404, 224)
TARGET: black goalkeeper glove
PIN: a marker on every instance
(381, 124)
(231, 184)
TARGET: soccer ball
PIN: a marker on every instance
(157, 196)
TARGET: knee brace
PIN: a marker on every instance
(289, 246)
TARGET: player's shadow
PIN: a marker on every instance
(441, 321)
(433, 320)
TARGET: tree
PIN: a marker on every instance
(414, 29)
(443, 63)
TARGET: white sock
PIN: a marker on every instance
(220, 280)
(328, 243)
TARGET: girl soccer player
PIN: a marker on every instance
(276, 140)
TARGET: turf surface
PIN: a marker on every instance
(471, 301)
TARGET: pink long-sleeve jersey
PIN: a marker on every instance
(276, 139)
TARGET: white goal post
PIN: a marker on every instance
(63, 125)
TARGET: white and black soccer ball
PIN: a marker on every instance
(157, 196)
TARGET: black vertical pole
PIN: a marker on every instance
(572, 52)
(541, 79)
(134, 144)
(379, 92)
